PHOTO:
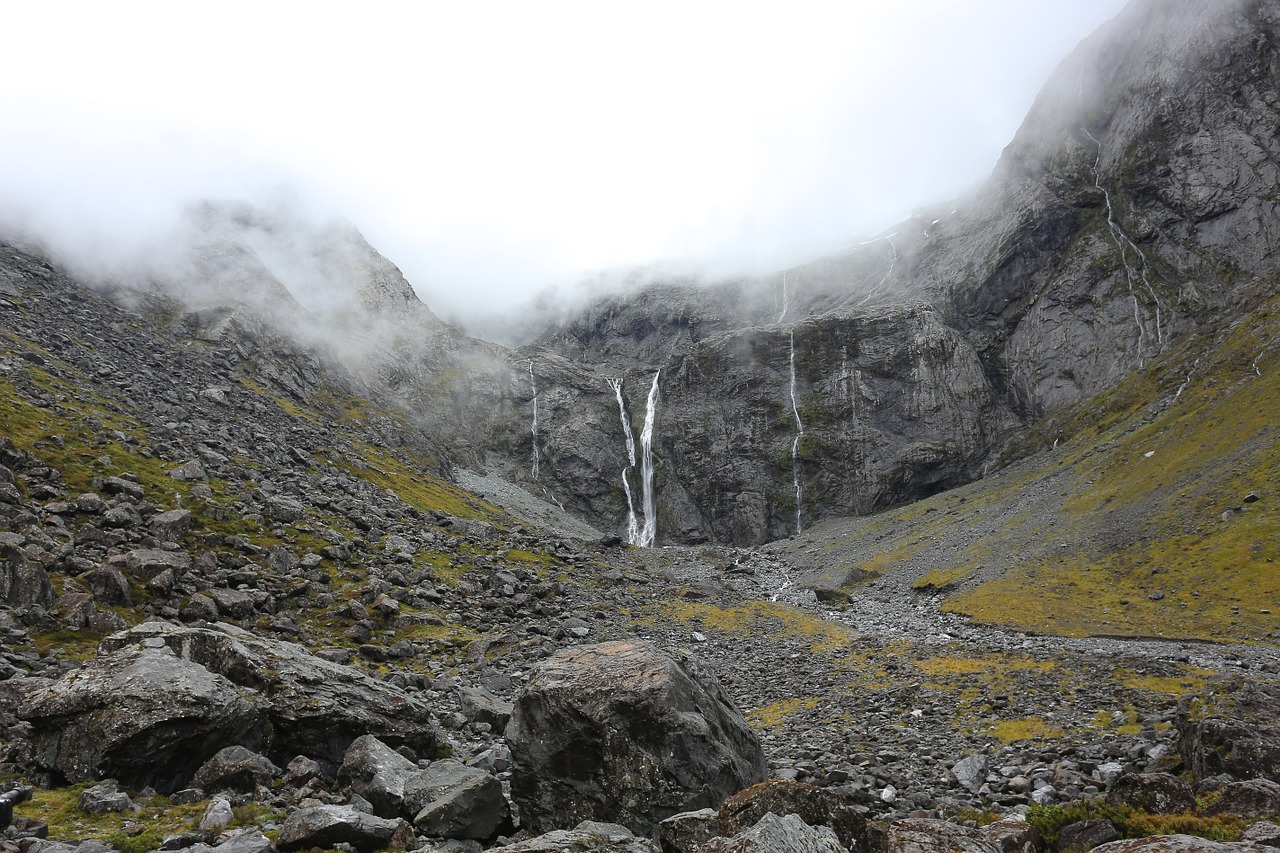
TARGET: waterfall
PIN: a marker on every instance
(650, 532)
(536, 453)
(633, 526)
(786, 299)
(1121, 240)
(795, 444)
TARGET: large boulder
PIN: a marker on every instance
(142, 715)
(622, 732)
(1231, 727)
(1253, 798)
(23, 584)
(160, 700)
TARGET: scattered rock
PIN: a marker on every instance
(772, 834)
(328, 826)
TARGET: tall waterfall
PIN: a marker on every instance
(650, 532)
(537, 455)
(633, 525)
(795, 443)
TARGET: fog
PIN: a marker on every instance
(494, 150)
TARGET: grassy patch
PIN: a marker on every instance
(1026, 728)
(1132, 823)
(777, 713)
(940, 580)
(1191, 680)
(127, 832)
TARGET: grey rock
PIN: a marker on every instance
(685, 745)
(103, 798)
(772, 834)
(146, 563)
(1258, 798)
(686, 832)
(780, 797)
(479, 705)
(327, 826)
(971, 772)
(235, 768)
(1263, 832)
(924, 835)
(1231, 727)
(1178, 844)
(190, 471)
(587, 837)
(1158, 793)
(170, 526)
(463, 802)
(1084, 835)
(217, 815)
(23, 584)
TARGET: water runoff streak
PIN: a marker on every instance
(536, 453)
(633, 525)
(795, 443)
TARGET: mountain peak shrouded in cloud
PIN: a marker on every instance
(495, 151)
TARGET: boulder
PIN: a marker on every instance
(1178, 844)
(971, 772)
(325, 827)
(108, 586)
(1158, 793)
(104, 797)
(688, 831)
(1264, 833)
(465, 802)
(23, 584)
(146, 563)
(925, 835)
(587, 837)
(143, 715)
(772, 834)
(1259, 798)
(1231, 727)
(815, 806)
(1084, 835)
(1013, 835)
(316, 707)
(621, 731)
(235, 769)
(160, 700)
(479, 705)
(391, 783)
(170, 526)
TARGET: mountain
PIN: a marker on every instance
(985, 512)
(1136, 204)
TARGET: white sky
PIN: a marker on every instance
(492, 148)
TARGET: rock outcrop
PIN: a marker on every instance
(160, 700)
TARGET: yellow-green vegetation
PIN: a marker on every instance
(1197, 561)
(1157, 513)
(940, 579)
(124, 831)
(1025, 728)
(776, 713)
(409, 480)
(763, 618)
(286, 405)
(1133, 823)
(68, 643)
(1191, 680)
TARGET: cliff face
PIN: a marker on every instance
(1139, 195)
